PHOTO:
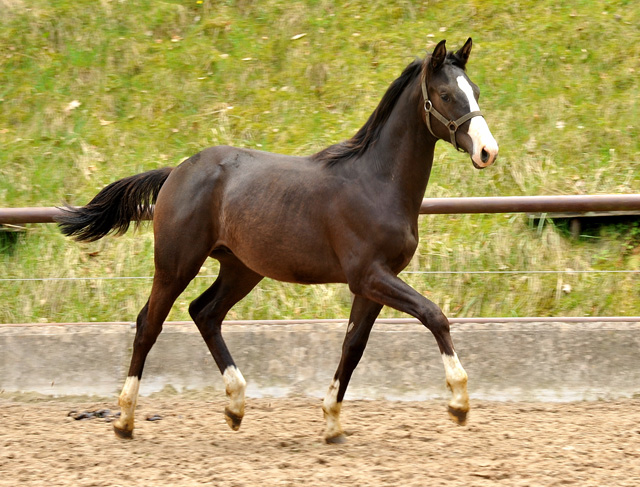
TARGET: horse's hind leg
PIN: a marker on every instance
(363, 315)
(149, 325)
(234, 282)
(179, 252)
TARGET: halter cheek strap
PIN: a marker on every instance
(452, 125)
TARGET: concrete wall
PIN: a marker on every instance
(520, 362)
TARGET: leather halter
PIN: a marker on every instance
(452, 125)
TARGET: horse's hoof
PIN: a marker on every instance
(233, 420)
(123, 434)
(336, 440)
(458, 416)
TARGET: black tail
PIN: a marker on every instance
(113, 208)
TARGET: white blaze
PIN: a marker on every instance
(478, 128)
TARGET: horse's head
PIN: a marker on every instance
(451, 105)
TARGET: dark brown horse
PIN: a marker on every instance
(346, 214)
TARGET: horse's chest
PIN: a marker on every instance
(406, 244)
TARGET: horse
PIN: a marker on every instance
(347, 214)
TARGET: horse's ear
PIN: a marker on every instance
(464, 51)
(438, 56)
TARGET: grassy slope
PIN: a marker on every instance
(158, 81)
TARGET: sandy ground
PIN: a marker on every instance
(280, 443)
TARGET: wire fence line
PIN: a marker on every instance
(213, 276)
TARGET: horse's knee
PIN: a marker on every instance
(438, 324)
(194, 310)
(208, 326)
(435, 320)
(200, 310)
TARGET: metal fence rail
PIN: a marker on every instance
(532, 204)
(496, 204)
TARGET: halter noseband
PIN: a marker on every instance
(452, 125)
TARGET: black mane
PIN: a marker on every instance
(369, 132)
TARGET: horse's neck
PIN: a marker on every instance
(403, 153)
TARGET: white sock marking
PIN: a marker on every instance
(235, 386)
(457, 381)
(478, 128)
(331, 408)
(127, 401)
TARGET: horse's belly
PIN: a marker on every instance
(304, 275)
(289, 258)
(277, 221)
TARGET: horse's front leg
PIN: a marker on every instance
(363, 314)
(384, 287)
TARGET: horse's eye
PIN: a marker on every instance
(445, 98)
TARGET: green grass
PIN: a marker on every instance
(158, 81)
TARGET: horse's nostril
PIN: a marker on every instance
(484, 156)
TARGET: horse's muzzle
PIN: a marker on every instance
(485, 157)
